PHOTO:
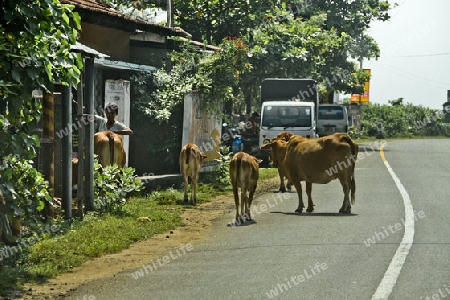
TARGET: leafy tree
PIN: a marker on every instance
(35, 40)
(215, 74)
(316, 39)
(213, 20)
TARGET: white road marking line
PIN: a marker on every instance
(390, 277)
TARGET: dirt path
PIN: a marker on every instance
(197, 221)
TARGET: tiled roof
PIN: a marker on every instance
(96, 12)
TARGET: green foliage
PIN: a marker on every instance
(111, 187)
(213, 21)
(267, 173)
(220, 178)
(402, 120)
(24, 188)
(166, 123)
(313, 39)
(35, 41)
(214, 75)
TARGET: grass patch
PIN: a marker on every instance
(267, 173)
(100, 234)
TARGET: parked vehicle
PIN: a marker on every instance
(238, 139)
(332, 118)
(288, 104)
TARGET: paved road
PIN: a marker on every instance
(401, 215)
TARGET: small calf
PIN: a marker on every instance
(191, 160)
(244, 173)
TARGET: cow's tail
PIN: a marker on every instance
(354, 150)
(111, 146)
(238, 167)
(188, 153)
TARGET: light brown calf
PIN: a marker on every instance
(191, 160)
(244, 173)
(109, 149)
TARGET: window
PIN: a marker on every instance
(281, 116)
(331, 113)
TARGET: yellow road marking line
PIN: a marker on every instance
(382, 153)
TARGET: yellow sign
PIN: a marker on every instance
(364, 97)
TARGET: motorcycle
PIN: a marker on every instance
(239, 140)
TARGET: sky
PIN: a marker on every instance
(415, 54)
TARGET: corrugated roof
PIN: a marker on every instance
(122, 65)
(96, 12)
(78, 47)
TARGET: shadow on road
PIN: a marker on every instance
(313, 214)
(246, 223)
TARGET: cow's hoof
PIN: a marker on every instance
(299, 210)
(282, 190)
(345, 211)
(310, 209)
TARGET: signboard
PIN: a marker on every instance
(202, 129)
(118, 91)
(364, 97)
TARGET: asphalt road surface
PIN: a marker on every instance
(395, 244)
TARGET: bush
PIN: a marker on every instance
(24, 187)
(402, 121)
(220, 178)
(112, 185)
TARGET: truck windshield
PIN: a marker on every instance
(331, 113)
(286, 116)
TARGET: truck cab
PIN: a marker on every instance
(288, 104)
(278, 116)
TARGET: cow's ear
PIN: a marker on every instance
(267, 146)
(259, 161)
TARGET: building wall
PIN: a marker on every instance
(141, 55)
(113, 42)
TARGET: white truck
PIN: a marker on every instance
(288, 105)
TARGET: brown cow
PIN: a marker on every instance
(191, 160)
(244, 173)
(277, 149)
(285, 135)
(109, 149)
(321, 160)
(102, 147)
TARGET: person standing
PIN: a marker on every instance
(109, 123)
(252, 124)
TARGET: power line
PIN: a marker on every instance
(409, 75)
(420, 55)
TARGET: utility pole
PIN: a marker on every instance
(169, 13)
